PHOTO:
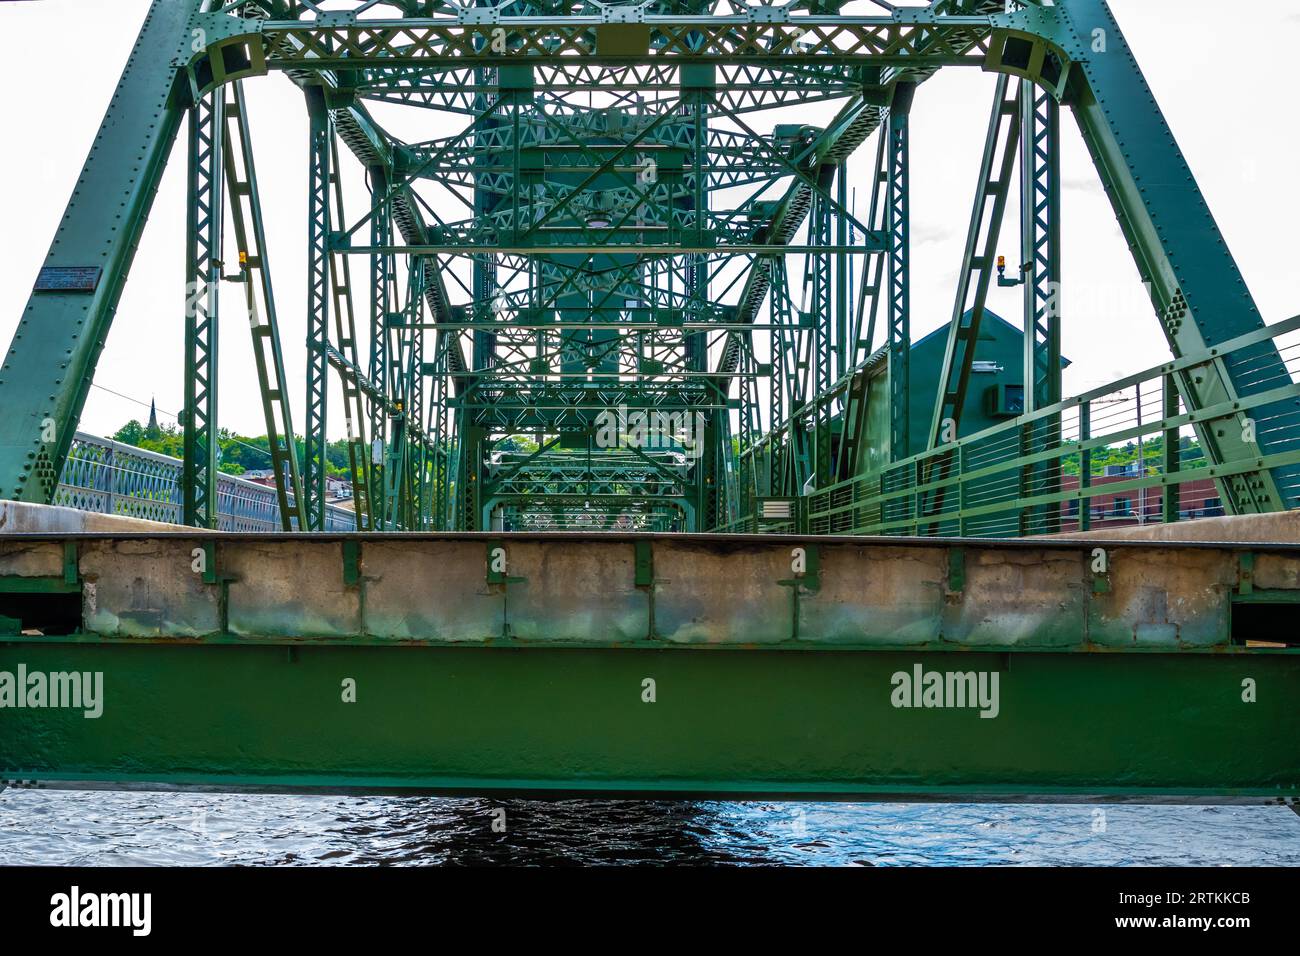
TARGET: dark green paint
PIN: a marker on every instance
(751, 722)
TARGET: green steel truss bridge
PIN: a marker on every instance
(622, 296)
(634, 242)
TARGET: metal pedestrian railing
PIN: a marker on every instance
(1048, 471)
(112, 478)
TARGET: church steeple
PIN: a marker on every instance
(153, 431)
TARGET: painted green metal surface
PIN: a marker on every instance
(645, 230)
(680, 255)
(977, 485)
(259, 300)
(51, 361)
(1197, 289)
(811, 724)
(641, 664)
(204, 244)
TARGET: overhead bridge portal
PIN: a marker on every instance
(654, 492)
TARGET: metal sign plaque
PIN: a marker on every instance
(68, 278)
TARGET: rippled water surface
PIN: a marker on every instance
(96, 828)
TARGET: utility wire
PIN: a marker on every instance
(177, 418)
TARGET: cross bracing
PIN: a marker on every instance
(619, 288)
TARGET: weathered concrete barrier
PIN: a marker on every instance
(663, 590)
(22, 517)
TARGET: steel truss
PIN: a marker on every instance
(656, 307)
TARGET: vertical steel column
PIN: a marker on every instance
(1040, 258)
(204, 220)
(710, 470)
(825, 319)
(1170, 503)
(1199, 294)
(1040, 166)
(318, 296)
(438, 434)
(1085, 466)
(784, 359)
(415, 483)
(345, 328)
(842, 346)
(751, 427)
(486, 164)
(712, 474)
(381, 270)
(900, 334)
(396, 465)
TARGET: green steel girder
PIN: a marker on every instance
(572, 721)
(1196, 287)
(730, 159)
(561, 410)
(582, 513)
(1040, 275)
(50, 363)
(617, 488)
(742, 88)
(921, 38)
(412, 663)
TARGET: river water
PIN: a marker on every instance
(101, 828)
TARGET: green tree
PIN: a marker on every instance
(132, 433)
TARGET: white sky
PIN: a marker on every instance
(1237, 127)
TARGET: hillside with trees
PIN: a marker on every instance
(237, 453)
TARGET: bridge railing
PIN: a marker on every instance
(112, 478)
(1118, 453)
